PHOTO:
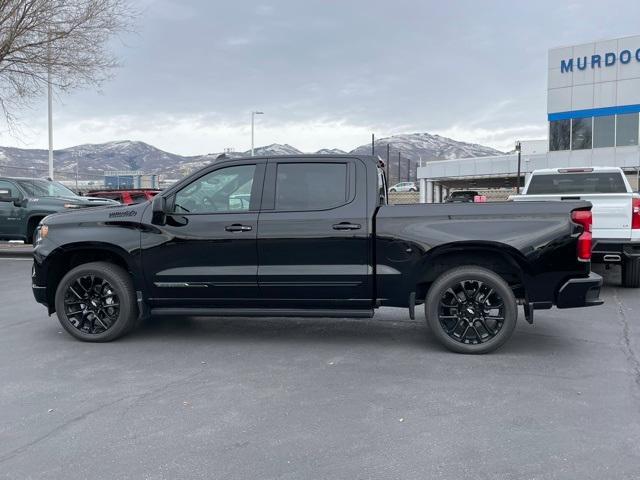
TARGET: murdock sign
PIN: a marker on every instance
(608, 59)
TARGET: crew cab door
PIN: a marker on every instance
(12, 221)
(314, 234)
(205, 253)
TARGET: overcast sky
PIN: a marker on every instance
(328, 73)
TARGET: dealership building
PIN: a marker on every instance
(593, 110)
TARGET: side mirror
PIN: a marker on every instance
(159, 209)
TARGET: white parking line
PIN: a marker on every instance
(17, 258)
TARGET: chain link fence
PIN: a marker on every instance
(492, 194)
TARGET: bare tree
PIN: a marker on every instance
(66, 38)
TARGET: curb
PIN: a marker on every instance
(16, 252)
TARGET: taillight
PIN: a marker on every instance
(584, 218)
(635, 213)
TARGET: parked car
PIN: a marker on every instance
(298, 236)
(616, 211)
(126, 197)
(404, 187)
(26, 201)
(461, 196)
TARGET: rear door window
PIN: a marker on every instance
(591, 182)
(311, 186)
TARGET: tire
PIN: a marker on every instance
(392, 190)
(478, 329)
(412, 190)
(631, 273)
(95, 302)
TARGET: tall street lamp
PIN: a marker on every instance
(519, 150)
(50, 107)
(50, 34)
(253, 116)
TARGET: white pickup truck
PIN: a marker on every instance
(616, 211)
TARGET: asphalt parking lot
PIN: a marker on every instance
(298, 399)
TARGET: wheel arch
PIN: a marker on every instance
(503, 259)
(63, 259)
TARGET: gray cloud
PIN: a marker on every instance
(476, 68)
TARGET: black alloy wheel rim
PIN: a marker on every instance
(91, 304)
(471, 312)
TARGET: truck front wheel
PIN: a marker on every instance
(471, 310)
(631, 273)
(96, 302)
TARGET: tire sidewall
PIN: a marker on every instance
(471, 273)
(120, 281)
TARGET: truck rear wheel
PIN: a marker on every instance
(631, 273)
(95, 302)
(471, 310)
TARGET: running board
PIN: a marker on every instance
(261, 312)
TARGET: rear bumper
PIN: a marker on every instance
(580, 292)
(614, 250)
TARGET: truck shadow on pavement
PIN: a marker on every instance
(552, 330)
(413, 334)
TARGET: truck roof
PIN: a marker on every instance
(304, 156)
(24, 178)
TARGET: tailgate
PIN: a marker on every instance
(611, 211)
(611, 215)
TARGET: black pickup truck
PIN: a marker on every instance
(312, 236)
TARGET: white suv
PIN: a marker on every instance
(404, 187)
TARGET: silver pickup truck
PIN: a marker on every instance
(616, 211)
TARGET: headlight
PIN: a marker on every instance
(41, 233)
(72, 205)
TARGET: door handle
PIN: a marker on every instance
(236, 227)
(346, 226)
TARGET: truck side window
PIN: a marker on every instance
(311, 186)
(221, 191)
(4, 185)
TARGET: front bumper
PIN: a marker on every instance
(580, 292)
(606, 250)
(37, 284)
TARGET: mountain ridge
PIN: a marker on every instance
(94, 159)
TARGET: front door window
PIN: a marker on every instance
(222, 191)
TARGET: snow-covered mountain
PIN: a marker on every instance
(429, 147)
(274, 149)
(330, 151)
(94, 159)
(417, 147)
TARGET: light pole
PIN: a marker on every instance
(253, 116)
(519, 150)
(50, 107)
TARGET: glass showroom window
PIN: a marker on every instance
(559, 135)
(627, 130)
(581, 130)
(604, 131)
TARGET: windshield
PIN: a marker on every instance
(592, 182)
(45, 188)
